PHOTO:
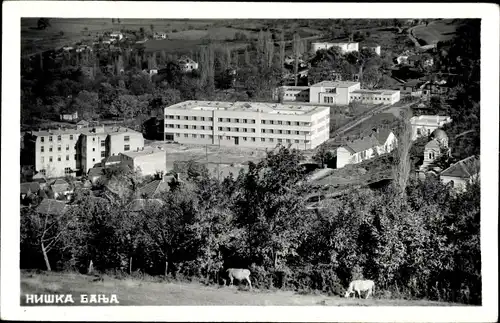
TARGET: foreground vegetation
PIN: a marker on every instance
(158, 291)
(417, 239)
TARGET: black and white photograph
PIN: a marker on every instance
(250, 162)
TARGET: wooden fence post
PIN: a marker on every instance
(166, 268)
(130, 266)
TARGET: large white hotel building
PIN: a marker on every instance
(249, 124)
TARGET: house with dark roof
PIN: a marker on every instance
(381, 141)
(61, 188)
(412, 87)
(40, 179)
(29, 188)
(111, 160)
(461, 172)
(95, 173)
(52, 207)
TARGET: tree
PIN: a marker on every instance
(43, 23)
(323, 156)
(401, 171)
(85, 103)
(282, 50)
(125, 106)
(360, 59)
(371, 78)
(297, 51)
(247, 58)
(44, 231)
(269, 207)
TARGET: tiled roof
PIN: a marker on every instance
(464, 168)
(340, 84)
(154, 187)
(96, 171)
(51, 207)
(59, 182)
(381, 135)
(433, 144)
(32, 187)
(113, 159)
(375, 139)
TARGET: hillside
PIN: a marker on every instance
(139, 292)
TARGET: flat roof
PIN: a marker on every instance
(144, 151)
(299, 88)
(85, 130)
(335, 84)
(336, 43)
(429, 118)
(263, 107)
(381, 92)
(109, 130)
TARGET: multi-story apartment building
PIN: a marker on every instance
(250, 124)
(98, 143)
(62, 152)
(52, 152)
(336, 93)
(345, 47)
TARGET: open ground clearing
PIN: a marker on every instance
(140, 292)
(436, 31)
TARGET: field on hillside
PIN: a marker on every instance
(440, 30)
(159, 292)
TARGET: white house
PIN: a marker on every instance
(379, 142)
(432, 149)
(116, 35)
(374, 47)
(424, 125)
(147, 160)
(345, 47)
(187, 64)
(461, 172)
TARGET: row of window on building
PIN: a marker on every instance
(59, 138)
(67, 170)
(327, 99)
(51, 159)
(251, 130)
(237, 120)
(59, 148)
(253, 139)
(300, 95)
(376, 98)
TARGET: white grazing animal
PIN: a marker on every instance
(358, 286)
(239, 274)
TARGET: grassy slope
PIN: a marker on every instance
(137, 292)
(436, 31)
